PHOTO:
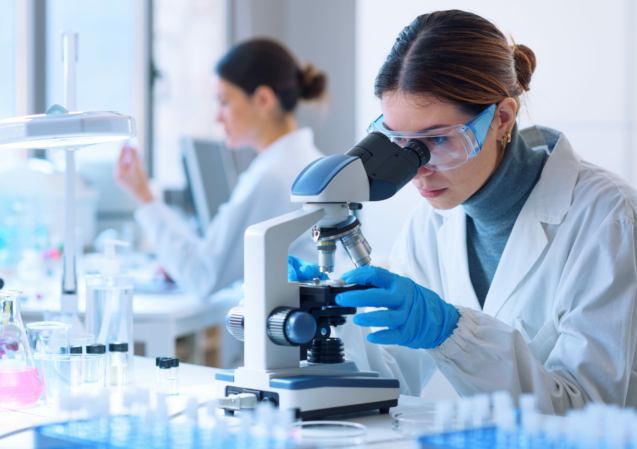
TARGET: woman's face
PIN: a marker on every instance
(239, 115)
(449, 188)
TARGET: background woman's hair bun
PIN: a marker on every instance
(525, 64)
(313, 82)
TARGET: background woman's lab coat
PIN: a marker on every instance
(560, 318)
(262, 192)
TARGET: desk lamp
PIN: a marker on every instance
(61, 127)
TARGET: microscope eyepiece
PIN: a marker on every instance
(420, 149)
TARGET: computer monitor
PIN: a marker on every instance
(212, 171)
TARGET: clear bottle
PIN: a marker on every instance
(109, 303)
(19, 381)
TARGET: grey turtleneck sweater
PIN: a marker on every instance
(492, 210)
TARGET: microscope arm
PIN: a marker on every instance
(267, 286)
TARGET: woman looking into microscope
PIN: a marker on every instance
(259, 86)
(519, 271)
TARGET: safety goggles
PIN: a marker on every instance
(450, 147)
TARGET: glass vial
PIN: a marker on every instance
(76, 365)
(92, 369)
(157, 370)
(173, 376)
(118, 364)
(164, 375)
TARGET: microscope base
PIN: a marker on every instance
(314, 396)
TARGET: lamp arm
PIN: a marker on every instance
(69, 281)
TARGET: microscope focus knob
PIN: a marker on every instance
(234, 322)
(291, 327)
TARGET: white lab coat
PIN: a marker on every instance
(560, 318)
(262, 192)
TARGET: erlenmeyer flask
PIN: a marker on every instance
(19, 381)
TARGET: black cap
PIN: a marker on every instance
(95, 349)
(174, 362)
(157, 360)
(118, 347)
(165, 363)
(76, 349)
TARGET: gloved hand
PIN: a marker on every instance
(302, 270)
(416, 317)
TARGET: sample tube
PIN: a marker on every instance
(174, 376)
(76, 365)
(118, 364)
(157, 370)
(164, 375)
(92, 371)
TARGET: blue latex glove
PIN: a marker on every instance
(302, 270)
(416, 317)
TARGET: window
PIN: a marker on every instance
(188, 39)
(7, 59)
(105, 57)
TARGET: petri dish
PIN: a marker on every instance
(422, 421)
(330, 433)
(412, 423)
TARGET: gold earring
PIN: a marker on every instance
(506, 139)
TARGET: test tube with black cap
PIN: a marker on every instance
(118, 364)
(157, 370)
(174, 376)
(93, 371)
(164, 375)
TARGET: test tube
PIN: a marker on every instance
(91, 372)
(118, 364)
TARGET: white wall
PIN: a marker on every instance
(320, 32)
(584, 84)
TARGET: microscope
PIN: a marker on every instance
(291, 360)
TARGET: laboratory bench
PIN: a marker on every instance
(160, 315)
(198, 381)
(158, 319)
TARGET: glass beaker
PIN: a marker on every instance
(48, 338)
(19, 381)
(71, 375)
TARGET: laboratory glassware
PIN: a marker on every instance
(331, 433)
(95, 372)
(70, 375)
(109, 303)
(19, 381)
(174, 376)
(47, 338)
(118, 364)
(76, 350)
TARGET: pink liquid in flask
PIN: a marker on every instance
(19, 386)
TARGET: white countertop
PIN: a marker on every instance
(198, 381)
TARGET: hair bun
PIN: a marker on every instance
(313, 82)
(525, 64)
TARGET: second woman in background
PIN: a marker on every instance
(259, 86)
